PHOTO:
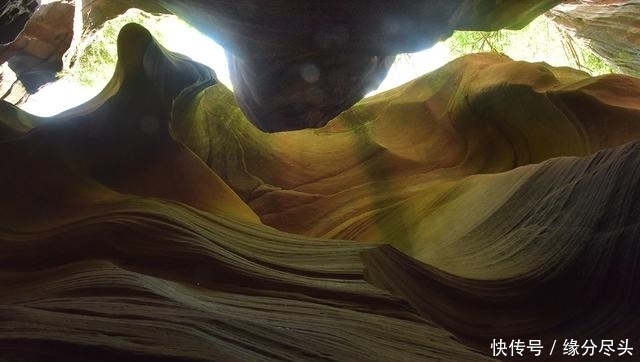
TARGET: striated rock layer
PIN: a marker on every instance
(403, 152)
(610, 28)
(110, 248)
(131, 226)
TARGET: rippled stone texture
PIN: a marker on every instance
(111, 247)
(505, 190)
(382, 167)
(610, 27)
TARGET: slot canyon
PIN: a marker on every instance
(291, 218)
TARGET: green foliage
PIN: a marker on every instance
(594, 64)
(467, 42)
(97, 57)
(541, 40)
(95, 63)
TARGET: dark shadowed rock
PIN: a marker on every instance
(13, 16)
(298, 64)
(35, 55)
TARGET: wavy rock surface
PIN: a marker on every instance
(502, 187)
(395, 166)
(110, 248)
(556, 260)
(610, 27)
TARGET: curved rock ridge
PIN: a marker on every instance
(120, 139)
(389, 168)
(156, 280)
(110, 249)
(503, 188)
(557, 258)
(298, 64)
